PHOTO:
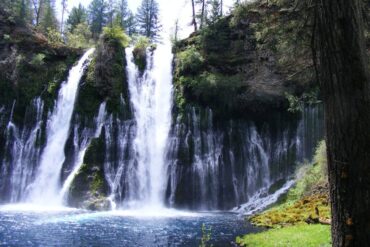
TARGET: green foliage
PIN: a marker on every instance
(52, 87)
(297, 104)
(97, 183)
(38, 59)
(221, 92)
(307, 199)
(310, 175)
(141, 42)
(116, 35)
(240, 12)
(295, 236)
(54, 37)
(141, 45)
(80, 36)
(98, 16)
(189, 61)
(215, 12)
(147, 18)
(77, 17)
(206, 236)
(19, 10)
(48, 20)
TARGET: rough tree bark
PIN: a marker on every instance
(345, 84)
(194, 22)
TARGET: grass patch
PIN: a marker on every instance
(300, 235)
(308, 199)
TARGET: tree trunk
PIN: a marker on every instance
(194, 17)
(222, 8)
(64, 8)
(202, 13)
(345, 85)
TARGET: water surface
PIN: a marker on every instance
(67, 227)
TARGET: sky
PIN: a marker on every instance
(170, 11)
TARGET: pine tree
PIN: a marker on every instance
(98, 16)
(148, 19)
(77, 16)
(21, 10)
(48, 18)
(122, 13)
(343, 64)
(131, 24)
(216, 11)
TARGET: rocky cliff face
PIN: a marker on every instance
(234, 67)
(30, 66)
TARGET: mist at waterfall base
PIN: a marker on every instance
(153, 164)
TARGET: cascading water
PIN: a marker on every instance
(45, 188)
(22, 148)
(222, 164)
(81, 147)
(151, 99)
(149, 160)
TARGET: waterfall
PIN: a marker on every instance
(149, 160)
(151, 100)
(222, 164)
(46, 185)
(22, 147)
(80, 148)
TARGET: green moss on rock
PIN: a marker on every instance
(89, 188)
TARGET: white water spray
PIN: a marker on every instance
(151, 98)
(45, 188)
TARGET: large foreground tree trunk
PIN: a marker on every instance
(343, 69)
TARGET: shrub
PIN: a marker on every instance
(189, 61)
(80, 37)
(38, 59)
(308, 176)
(117, 35)
(54, 36)
(141, 45)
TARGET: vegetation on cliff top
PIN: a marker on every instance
(253, 54)
(106, 77)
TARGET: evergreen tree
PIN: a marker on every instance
(98, 16)
(148, 19)
(111, 12)
(21, 10)
(77, 16)
(202, 14)
(123, 13)
(48, 18)
(130, 24)
(343, 69)
(216, 10)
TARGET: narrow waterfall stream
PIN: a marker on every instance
(45, 188)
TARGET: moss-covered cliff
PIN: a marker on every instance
(105, 81)
(89, 189)
(30, 66)
(106, 78)
(246, 62)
